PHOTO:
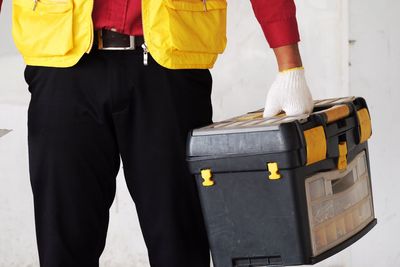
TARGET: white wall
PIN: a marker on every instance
(374, 73)
(241, 80)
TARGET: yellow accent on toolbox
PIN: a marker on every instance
(316, 144)
(273, 170)
(336, 113)
(206, 174)
(342, 160)
(365, 124)
(250, 116)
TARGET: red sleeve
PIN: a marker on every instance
(1, 1)
(278, 21)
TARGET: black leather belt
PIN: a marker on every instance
(111, 40)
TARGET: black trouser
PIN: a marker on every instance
(80, 120)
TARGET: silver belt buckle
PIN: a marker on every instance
(100, 43)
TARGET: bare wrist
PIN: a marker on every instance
(288, 57)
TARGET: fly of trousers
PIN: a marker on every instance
(81, 121)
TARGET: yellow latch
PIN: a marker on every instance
(342, 160)
(365, 124)
(206, 174)
(316, 144)
(273, 171)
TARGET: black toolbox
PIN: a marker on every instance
(285, 190)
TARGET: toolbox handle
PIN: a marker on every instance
(335, 113)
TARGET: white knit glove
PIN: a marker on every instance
(289, 92)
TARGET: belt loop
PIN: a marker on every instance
(99, 37)
(132, 42)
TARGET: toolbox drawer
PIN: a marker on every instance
(339, 204)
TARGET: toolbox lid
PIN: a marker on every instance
(251, 134)
(240, 136)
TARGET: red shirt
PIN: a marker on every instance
(122, 15)
(277, 18)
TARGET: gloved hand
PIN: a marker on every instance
(290, 93)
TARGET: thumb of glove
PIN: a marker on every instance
(272, 103)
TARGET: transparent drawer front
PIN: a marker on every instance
(339, 204)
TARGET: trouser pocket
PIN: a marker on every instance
(30, 72)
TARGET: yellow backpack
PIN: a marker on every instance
(178, 33)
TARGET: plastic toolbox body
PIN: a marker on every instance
(285, 191)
